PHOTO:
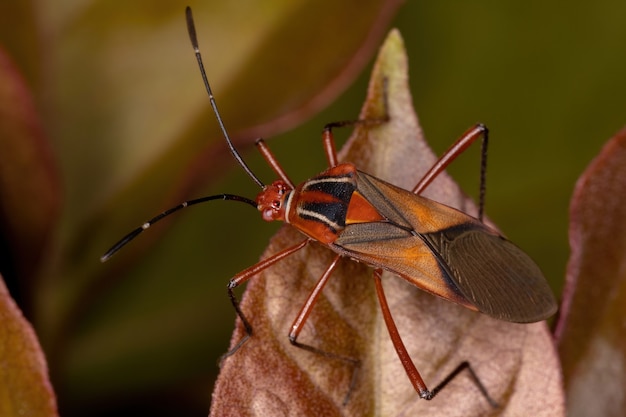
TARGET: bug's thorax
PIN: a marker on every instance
(320, 207)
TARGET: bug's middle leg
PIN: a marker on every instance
(328, 139)
(302, 317)
(409, 367)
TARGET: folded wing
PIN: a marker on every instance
(447, 253)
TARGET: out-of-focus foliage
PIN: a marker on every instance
(590, 333)
(24, 386)
(104, 122)
(126, 123)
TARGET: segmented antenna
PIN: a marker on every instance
(194, 42)
(122, 242)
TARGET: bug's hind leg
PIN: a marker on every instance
(452, 153)
(407, 362)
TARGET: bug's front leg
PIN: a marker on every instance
(244, 276)
(407, 362)
(271, 160)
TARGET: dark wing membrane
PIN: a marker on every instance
(494, 274)
(447, 253)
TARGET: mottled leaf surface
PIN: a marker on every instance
(590, 334)
(269, 377)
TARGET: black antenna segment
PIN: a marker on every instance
(123, 241)
(194, 42)
(132, 235)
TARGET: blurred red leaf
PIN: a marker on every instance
(590, 333)
(268, 376)
(24, 386)
(29, 182)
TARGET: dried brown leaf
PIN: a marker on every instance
(590, 334)
(269, 377)
(24, 386)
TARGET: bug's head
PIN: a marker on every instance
(271, 201)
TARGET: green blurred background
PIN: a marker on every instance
(549, 81)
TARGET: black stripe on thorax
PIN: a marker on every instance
(330, 213)
(340, 187)
(333, 215)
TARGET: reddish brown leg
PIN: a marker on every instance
(328, 138)
(327, 135)
(273, 162)
(407, 362)
(328, 142)
(450, 155)
(244, 276)
(302, 317)
(305, 311)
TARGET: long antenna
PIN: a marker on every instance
(123, 241)
(194, 42)
(132, 235)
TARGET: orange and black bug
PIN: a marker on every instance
(437, 248)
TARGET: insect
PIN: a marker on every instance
(435, 247)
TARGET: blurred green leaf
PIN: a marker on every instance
(591, 337)
(132, 134)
